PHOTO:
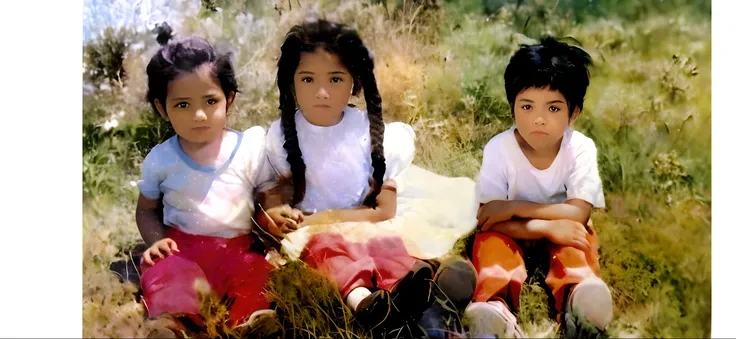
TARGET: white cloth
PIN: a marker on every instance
(203, 200)
(338, 158)
(506, 173)
(433, 212)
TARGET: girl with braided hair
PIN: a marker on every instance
(342, 163)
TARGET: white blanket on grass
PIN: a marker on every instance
(433, 212)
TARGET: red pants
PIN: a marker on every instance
(378, 263)
(227, 264)
(501, 269)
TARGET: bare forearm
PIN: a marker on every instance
(531, 210)
(526, 229)
(348, 215)
(385, 210)
(150, 226)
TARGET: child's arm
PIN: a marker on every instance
(501, 210)
(273, 211)
(574, 209)
(385, 209)
(148, 218)
(563, 231)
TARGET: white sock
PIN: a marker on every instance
(356, 296)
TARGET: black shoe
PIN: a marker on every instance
(410, 296)
(129, 269)
(452, 292)
(374, 310)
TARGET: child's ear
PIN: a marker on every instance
(160, 109)
(230, 100)
(574, 115)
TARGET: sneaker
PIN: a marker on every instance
(588, 311)
(373, 311)
(452, 291)
(492, 319)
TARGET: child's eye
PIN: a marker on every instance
(554, 108)
(182, 105)
(211, 101)
(335, 80)
(526, 107)
(308, 80)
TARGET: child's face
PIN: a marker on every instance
(323, 86)
(196, 106)
(542, 116)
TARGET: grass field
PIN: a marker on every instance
(440, 68)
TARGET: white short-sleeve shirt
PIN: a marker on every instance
(203, 200)
(506, 173)
(338, 158)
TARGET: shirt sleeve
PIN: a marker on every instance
(258, 168)
(492, 179)
(152, 174)
(398, 148)
(585, 182)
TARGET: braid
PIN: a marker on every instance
(364, 70)
(287, 105)
(345, 42)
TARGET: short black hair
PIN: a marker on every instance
(550, 63)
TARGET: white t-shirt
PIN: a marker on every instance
(338, 158)
(204, 200)
(506, 173)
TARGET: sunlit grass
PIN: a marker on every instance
(648, 110)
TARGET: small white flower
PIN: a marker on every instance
(105, 87)
(133, 183)
(110, 124)
(121, 114)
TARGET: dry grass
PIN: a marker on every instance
(441, 70)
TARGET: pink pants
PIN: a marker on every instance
(378, 263)
(227, 264)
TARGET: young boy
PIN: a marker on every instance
(538, 183)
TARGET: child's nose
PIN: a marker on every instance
(200, 115)
(322, 93)
(540, 121)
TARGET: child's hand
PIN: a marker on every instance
(283, 219)
(493, 213)
(568, 233)
(160, 249)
